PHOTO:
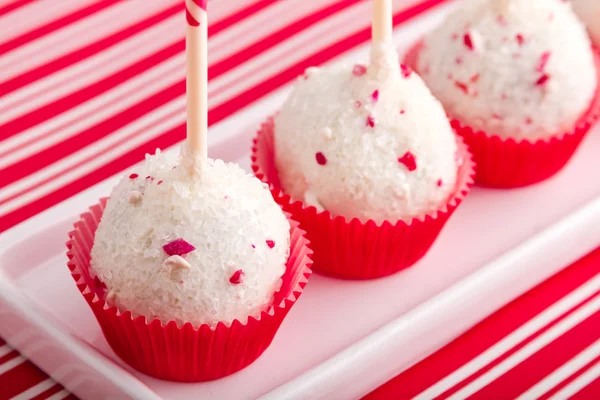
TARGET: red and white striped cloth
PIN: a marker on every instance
(87, 87)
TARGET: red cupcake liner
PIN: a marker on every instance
(510, 163)
(184, 354)
(352, 249)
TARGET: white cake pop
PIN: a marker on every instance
(367, 142)
(178, 248)
(521, 69)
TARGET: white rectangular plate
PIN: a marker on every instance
(342, 337)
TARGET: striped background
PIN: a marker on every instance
(87, 87)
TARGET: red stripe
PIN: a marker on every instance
(13, 6)
(8, 357)
(542, 363)
(512, 351)
(570, 379)
(55, 25)
(200, 3)
(215, 115)
(488, 332)
(78, 55)
(47, 393)
(190, 18)
(239, 16)
(20, 378)
(590, 392)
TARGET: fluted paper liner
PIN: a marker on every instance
(184, 353)
(510, 163)
(352, 249)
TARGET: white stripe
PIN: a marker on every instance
(36, 14)
(73, 36)
(59, 396)
(35, 390)
(95, 111)
(562, 373)
(5, 349)
(12, 363)
(578, 384)
(531, 348)
(88, 71)
(516, 337)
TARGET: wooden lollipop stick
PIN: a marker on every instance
(197, 83)
(382, 21)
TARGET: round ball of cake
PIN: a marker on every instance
(521, 69)
(367, 142)
(589, 12)
(181, 249)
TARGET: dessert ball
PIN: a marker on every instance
(182, 249)
(366, 141)
(589, 12)
(521, 69)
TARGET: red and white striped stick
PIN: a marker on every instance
(195, 149)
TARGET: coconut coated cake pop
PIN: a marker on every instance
(177, 248)
(520, 69)
(366, 141)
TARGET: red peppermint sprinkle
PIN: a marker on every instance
(543, 80)
(133, 176)
(237, 277)
(359, 70)
(454, 36)
(497, 116)
(501, 20)
(402, 111)
(468, 41)
(462, 86)
(253, 246)
(520, 39)
(375, 95)
(408, 159)
(406, 71)
(270, 243)
(458, 60)
(528, 121)
(439, 183)
(150, 178)
(159, 182)
(370, 121)
(544, 58)
(474, 78)
(358, 104)
(321, 160)
(178, 247)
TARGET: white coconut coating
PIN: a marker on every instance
(229, 217)
(367, 142)
(520, 69)
(589, 12)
